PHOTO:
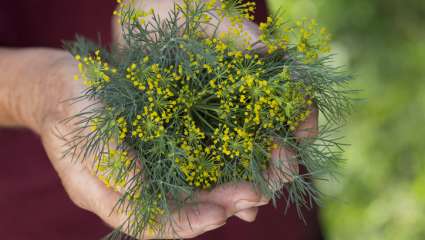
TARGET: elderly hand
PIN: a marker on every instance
(41, 91)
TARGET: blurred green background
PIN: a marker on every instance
(381, 191)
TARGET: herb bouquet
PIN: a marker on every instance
(181, 107)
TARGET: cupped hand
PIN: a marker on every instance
(210, 209)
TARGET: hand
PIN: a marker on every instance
(211, 208)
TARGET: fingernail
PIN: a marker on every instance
(244, 204)
(212, 227)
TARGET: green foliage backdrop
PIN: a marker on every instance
(381, 191)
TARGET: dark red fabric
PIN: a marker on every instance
(33, 204)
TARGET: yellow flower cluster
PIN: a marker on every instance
(138, 14)
(236, 11)
(310, 41)
(93, 71)
(122, 125)
(116, 129)
(201, 164)
(274, 34)
(111, 168)
(153, 82)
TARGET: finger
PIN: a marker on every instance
(309, 128)
(100, 200)
(249, 38)
(248, 215)
(283, 166)
(192, 220)
(78, 182)
(234, 197)
(250, 31)
(161, 8)
(246, 34)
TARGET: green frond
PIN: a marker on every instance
(175, 111)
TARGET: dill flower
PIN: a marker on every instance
(184, 112)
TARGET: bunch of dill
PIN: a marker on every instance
(181, 107)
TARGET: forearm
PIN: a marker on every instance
(25, 85)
